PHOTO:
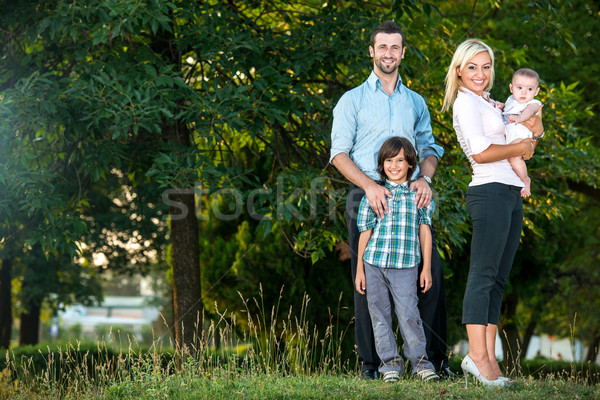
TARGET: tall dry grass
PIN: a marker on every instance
(269, 342)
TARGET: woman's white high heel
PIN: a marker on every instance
(508, 380)
(468, 366)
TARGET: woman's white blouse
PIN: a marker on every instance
(478, 124)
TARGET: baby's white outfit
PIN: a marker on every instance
(513, 130)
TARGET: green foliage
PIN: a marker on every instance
(574, 279)
(110, 99)
(542, 36)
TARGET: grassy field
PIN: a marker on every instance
(261, 361)
(87, 372)
(339, 387)
(227, 385)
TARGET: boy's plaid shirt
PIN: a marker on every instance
(395, 239)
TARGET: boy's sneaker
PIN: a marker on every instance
(391, 376)
(427, 375)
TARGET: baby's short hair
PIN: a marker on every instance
(527, 72)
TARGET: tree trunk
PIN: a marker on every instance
(548, 292)
(529, 331)
(29, 332)
(187, 296)
(5, 303)
(185, 249)
(593, 348)
(33, 293)
(186, 272)
(509, 334)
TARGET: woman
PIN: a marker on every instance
(493, 200)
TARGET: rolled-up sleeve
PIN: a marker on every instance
(366, 216)
(426, 213)
(470, 123)
(425, 141)
(343, 130)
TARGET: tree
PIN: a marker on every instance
(229, 104)
(39, 187)
(70, 102)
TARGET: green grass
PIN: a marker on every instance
(343, 387)
(84, 372)
(227, 385)
(267, 359)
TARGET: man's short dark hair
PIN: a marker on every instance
(388, 26)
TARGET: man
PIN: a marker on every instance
(364, 118)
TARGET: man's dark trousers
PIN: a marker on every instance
(432, 304)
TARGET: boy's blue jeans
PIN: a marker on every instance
(384, 285)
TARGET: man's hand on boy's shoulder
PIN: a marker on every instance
(424, 192)
(377, 197)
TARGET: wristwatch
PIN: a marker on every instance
(539, 137)
(428, 179)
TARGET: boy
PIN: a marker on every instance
(519, 107)
(389, 253)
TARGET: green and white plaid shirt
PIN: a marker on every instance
(395, 239)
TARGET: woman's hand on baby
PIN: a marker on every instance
(528, 148)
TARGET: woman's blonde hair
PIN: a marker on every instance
(465, 52)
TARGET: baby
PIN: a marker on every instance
(519, 107)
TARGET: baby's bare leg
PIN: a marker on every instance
(520, 168)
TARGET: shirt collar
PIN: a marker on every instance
(397, 188)
(375, 83)
(485, 97)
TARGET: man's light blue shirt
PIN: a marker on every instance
(367, 116)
